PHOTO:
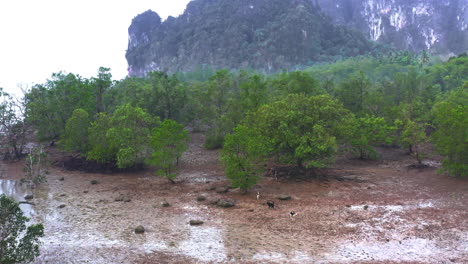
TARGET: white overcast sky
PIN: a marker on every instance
(40, 37)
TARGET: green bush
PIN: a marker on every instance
(168, 141)
(18, 243)
(451, 136)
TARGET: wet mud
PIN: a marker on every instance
(365, 212)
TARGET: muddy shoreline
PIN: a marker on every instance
(378, 212)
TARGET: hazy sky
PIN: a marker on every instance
(39, 37)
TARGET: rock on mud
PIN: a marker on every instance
(222, 190)
(214, 201)
(61, 206)
(94, 182)
(29, 197)
(225, 203)
(284, 197)
(122, 198)
(165, 204)
(196, 222)
(139, 229)
(201, 198)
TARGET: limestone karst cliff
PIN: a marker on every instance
(270, 35)
(439, 26)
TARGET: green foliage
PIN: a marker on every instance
(296, 82)
(451, 135)
(100, 85)
(101, 149)
(242, 156)
(169, 141)
(122, 138)
(214, 105)
(354, 93)
(302, 130)
(134, 91)
(370, 131)
(18, 243)
(168, 96)
(413, 134)
(449, 75)
(50, 105)
(75, 137)
(253, 93)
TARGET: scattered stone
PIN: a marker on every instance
(29, 197)
(225, 203)
(165, 204)
(214, 201)
(348, 205)
(201, 198)
(222, 190)
(86, 191)
(62, 195)
(196, 222)
(284, 197)
(251, 210)
(122, 198)
(61, 206)
(172, 244)
(366, 207)
(139, 229)
(62, 179)
(388, 240)
(94, 182)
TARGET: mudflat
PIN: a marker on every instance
(355, 212)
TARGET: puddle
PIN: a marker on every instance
(17, 191)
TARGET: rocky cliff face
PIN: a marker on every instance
(270, 35)
(439, 26)
(267, 35)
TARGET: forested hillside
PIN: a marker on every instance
(267, 35)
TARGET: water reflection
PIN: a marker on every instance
(17, 191)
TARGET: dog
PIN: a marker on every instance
(271, 204)
(292, 214)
